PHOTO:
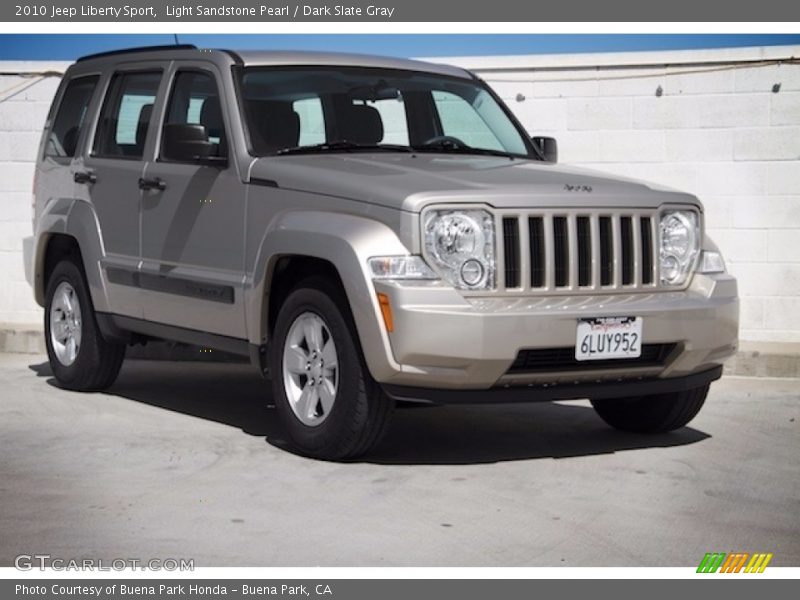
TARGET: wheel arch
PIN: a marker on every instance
(69, 227)
(340, 245)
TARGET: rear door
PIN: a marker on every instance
(193, 217)
(56, 170)
(113, 168)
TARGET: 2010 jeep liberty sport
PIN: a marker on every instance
(366, 230)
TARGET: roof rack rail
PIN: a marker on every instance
(137, 49)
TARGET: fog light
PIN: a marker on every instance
(670, 269)
(472, 272)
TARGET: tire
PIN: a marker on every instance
(658, 413)
(94, 363)
(354, 422)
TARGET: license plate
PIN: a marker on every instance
(603, 338)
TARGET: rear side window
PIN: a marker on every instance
(67, 126)
(125, 116)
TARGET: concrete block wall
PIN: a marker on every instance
(722, 124)
(717, 128)
(24, 101)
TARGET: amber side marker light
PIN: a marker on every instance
(386, 310)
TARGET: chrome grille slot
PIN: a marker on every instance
(646, 224)
(626, 242)
(511, 251)
(561, 251)
(537, 252)
(606, 252)
(584, 252)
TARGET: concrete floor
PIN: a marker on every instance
(185, 461)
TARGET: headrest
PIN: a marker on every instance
(70, 142)
(141, 127)
(211, 117)
(274, 125)
(362, 124)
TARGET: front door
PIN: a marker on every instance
(113, 168)
(193, 218)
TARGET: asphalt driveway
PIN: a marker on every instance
(184, 460)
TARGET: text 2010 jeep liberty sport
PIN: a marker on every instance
(366, 230)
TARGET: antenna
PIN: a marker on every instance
(175, 35)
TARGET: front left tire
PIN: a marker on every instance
(80, 358)
(326, 400)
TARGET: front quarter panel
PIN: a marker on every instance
(345, 240)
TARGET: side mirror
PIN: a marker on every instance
(547, 147)
(188, 143)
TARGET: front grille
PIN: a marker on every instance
(542, 360)
(581, 251)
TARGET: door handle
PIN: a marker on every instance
(84, 177)
(156, 183)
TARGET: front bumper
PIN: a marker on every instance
(443, 340)
(564, 391)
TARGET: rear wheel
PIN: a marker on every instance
(657, 413)
(80, 358)
(325, 398)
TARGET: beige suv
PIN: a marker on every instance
(365, 230)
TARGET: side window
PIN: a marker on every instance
(459, 119)
(195, 101)
(67, 125)
(125, 116)
(312, 121)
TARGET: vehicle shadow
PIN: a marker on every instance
(234, 395)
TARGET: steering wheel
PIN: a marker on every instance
(445, 141)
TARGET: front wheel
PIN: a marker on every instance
(656, 413)
(80, 358)
(325, 398)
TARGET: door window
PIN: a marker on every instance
(67, 126)
(195, 101)
(125, 117)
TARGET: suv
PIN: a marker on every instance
(365, 230)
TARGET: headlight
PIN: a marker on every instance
(680, 243)
(400, 267)
(460, 245)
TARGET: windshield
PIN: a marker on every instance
(345, 109)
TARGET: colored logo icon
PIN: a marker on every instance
(735, 562)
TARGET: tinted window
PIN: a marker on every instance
(460, 119)
(125, 117)
(195, 101)
(287, 107)
(66, 130)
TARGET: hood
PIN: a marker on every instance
(412, 181)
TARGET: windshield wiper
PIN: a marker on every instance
(343, 146)
(457, 149)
